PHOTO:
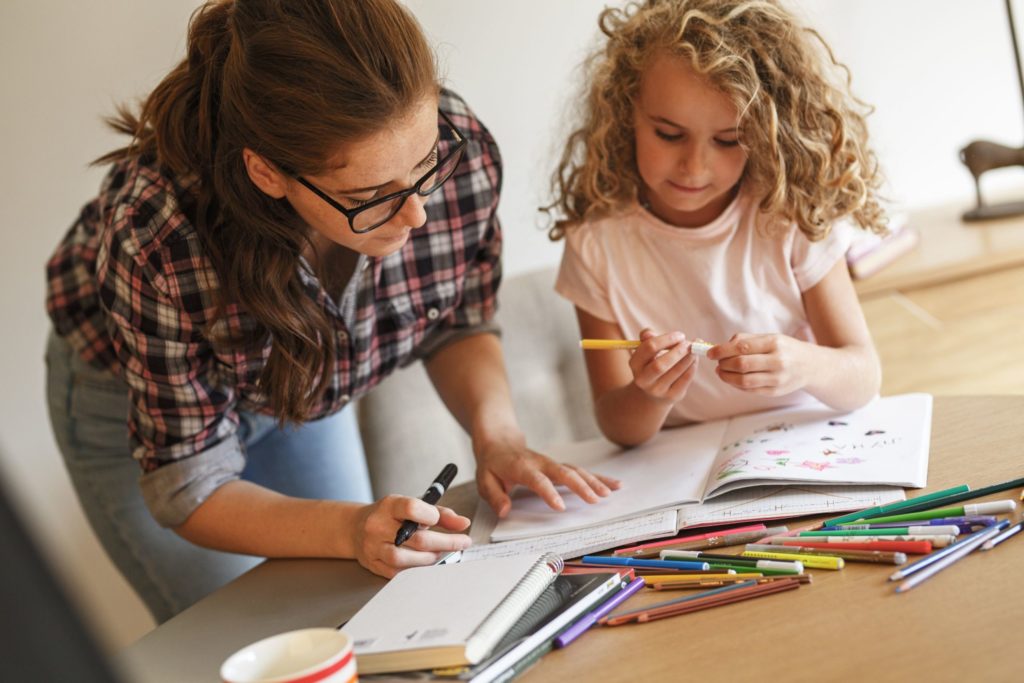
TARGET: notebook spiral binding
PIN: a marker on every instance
(508, 611)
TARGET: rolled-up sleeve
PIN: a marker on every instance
(182, 419)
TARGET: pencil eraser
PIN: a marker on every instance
(699, 347)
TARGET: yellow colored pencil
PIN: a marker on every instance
(809, 561)
(696, 578)
(606, 344)
(698, 347)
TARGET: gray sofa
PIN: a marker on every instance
(409, 434)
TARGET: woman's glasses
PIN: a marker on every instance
(379, 211)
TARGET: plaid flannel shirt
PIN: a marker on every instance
(132, 291)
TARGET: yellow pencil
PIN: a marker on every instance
(809, 561)
(606, 344)
(698, 347)
(696, 578)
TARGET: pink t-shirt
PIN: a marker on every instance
(709, 282)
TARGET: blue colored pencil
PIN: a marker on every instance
(913, 567)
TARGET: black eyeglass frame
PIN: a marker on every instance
(350, 214)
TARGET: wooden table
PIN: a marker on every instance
(846, 626)
(950, 249)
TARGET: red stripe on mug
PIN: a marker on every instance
(324, 673)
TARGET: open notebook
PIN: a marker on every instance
(447, 615)
(884, 443)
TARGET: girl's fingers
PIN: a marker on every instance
(747, 380)
(664, 383)
(683, 382)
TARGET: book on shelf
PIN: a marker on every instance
(791, 452)
(447, 615)
(871, 253)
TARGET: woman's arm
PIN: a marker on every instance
(242, 517)
(469, 375)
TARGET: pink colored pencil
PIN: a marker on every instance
(683, 539)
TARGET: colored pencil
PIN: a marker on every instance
(644, 547)
(701, 601)
(908, 547)
(885, 509)
(717, 541)
(967, 495)
(965, 524)
(914, 567)
(1010, 531)
(937, 541)
(634, 562)
(802, 578)
(918, 530)
(991, 508)
(698, 347)
(733, 561)
(961, 550)
(657, 579)
(873, 556)
(808, 561)
(577, 629)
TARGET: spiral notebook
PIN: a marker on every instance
(447, 615)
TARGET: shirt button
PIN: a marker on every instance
(433, 313)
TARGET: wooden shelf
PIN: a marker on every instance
(950, 249)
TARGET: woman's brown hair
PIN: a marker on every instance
(290, 80)
(809, 161)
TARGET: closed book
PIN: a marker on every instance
(447, 615)
(871, 253)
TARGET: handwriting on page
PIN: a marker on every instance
(582, 542)
(786, 501)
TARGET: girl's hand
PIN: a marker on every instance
(379, 523)
(766, 364)
(500, 465)
(663, 366)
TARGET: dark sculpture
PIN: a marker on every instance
(983, 155)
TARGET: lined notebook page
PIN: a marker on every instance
(774, 502)
(571, 543)
(463, 607)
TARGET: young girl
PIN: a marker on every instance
(301, 210)
(710, 193)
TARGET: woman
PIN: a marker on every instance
(301, 210)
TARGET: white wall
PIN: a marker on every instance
(939, 71)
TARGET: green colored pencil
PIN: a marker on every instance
(886, 509)
(956, 498)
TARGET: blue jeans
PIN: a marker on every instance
(88, 412)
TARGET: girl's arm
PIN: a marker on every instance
(634, 391)
(841, 370)
(845, 372)
(469, 375)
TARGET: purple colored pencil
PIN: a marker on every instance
(577, 629)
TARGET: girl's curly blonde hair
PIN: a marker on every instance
(805, 133)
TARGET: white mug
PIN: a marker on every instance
(311, 655)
